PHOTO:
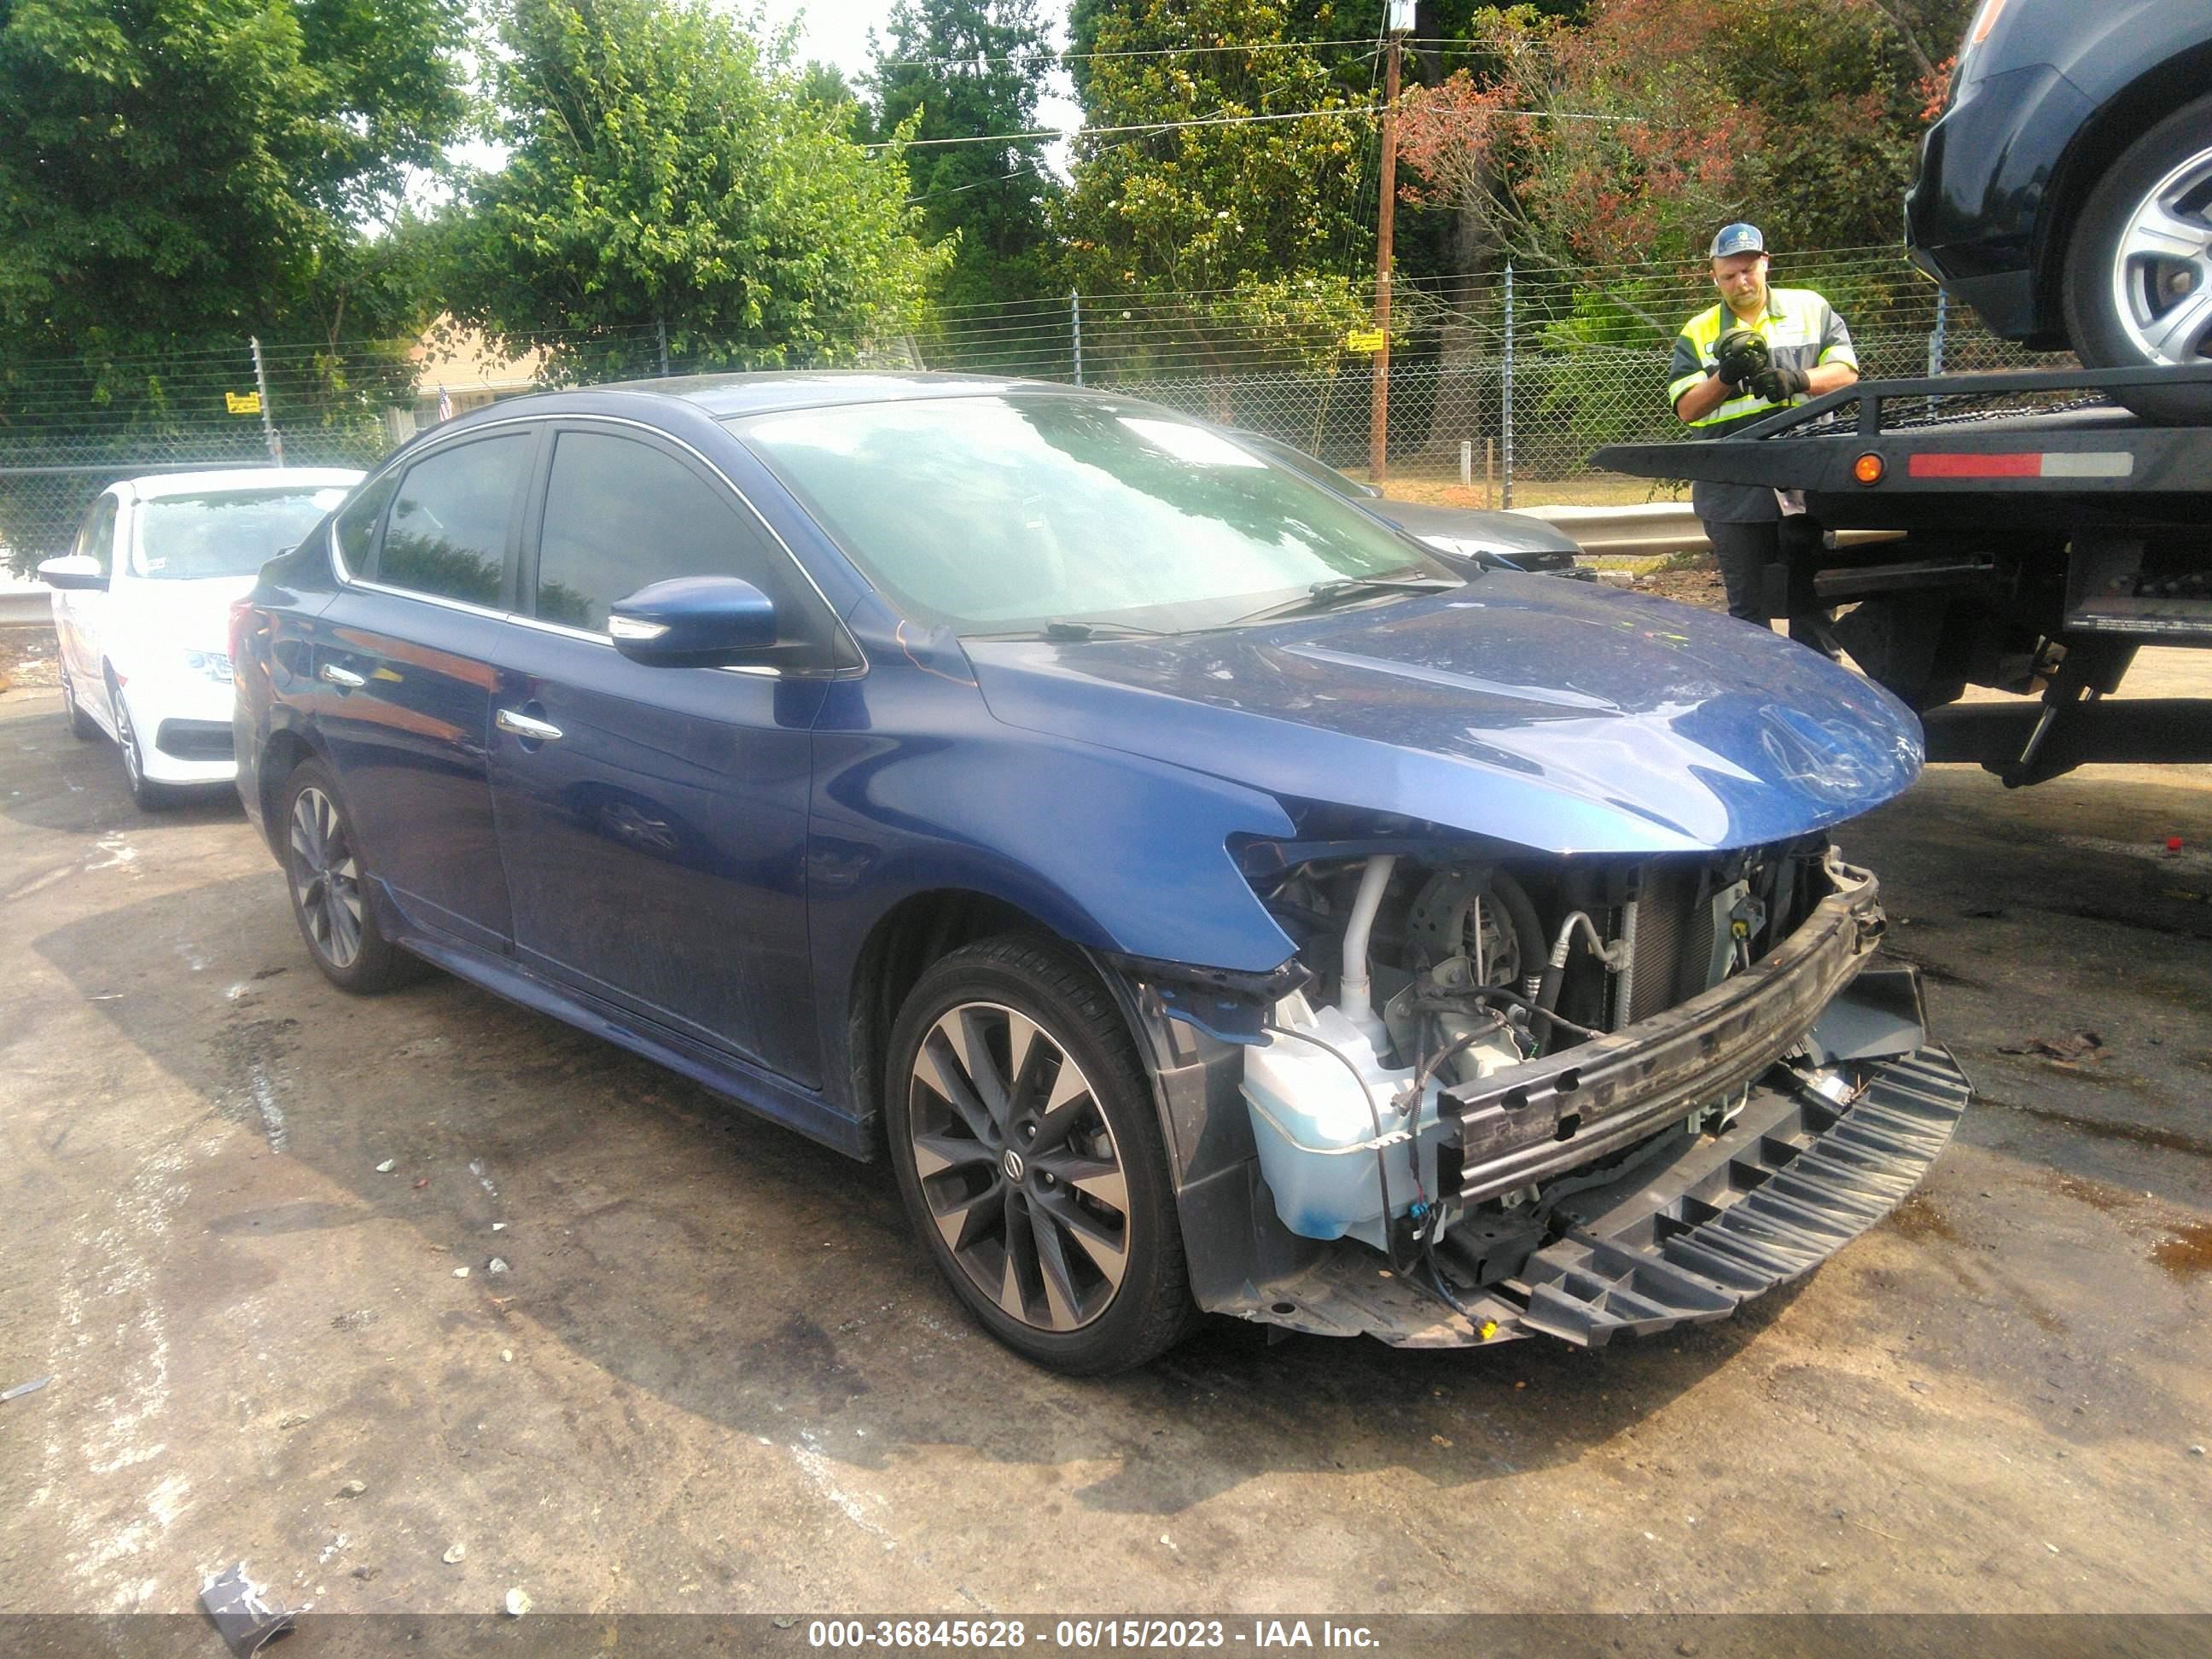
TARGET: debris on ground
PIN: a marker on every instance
(518, 1603)
(460, 1272)
(498, 1265)
(455, 1553)
(421, 1183)
(2069, 1050)
(387, 1166)
(499, 1226)
(23, 1389)
(366, 1573)
(353, 1489)
(354, 1319)
(293, 1420)
(246, 1621)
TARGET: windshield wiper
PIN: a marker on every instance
(1085, 630)
(1321, 595)
(1075, 631)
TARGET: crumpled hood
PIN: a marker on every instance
(1559, 717)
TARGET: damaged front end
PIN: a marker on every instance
(1495, 1094)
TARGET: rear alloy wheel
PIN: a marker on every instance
(330, 900)
(82, 725)
(151, 797)
(2139, 270)
(1029, 1156)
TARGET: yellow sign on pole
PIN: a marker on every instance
(242, 403)
(1364, 339)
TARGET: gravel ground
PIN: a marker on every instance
(717, 1375)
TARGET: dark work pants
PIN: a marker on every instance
(1744, 551)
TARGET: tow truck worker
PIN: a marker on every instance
(1758, 350)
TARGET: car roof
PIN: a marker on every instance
(726, 396)
(156, 485)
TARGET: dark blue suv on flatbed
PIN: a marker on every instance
(1209, 897)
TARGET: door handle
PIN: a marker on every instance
(523, 726)
(344, 679)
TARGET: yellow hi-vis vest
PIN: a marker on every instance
(1803, 330)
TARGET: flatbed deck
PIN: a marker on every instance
(2044, 532)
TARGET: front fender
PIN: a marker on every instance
(1114, 852)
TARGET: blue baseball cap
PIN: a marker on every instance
(1738, 239)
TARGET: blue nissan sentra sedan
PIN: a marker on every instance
(1208, 897)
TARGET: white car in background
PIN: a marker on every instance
(142, 607)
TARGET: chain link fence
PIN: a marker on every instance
(1512, 377)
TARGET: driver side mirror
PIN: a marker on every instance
(694, 622)
(74, 572)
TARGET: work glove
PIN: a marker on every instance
(1778, 383)
(1738, 355)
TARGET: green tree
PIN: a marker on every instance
(666, 170)
(176, 175)
(1843, 92)
(1263, 218)
(173, 170)
(964, 69)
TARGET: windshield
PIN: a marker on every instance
(1308, 466)
(1004, 513)
(225, 532)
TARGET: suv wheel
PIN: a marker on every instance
(329, 883)
(2139, 270)
(1030, 1156)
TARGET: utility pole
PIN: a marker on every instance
(1378, 418)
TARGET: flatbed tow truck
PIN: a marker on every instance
(2038, 534)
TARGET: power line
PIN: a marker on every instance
(1132, 51)
(1222, 121)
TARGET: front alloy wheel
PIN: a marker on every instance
(150, 796)
(1030, 1156)
(1019, 1167)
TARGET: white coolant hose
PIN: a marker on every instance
(1353, 999)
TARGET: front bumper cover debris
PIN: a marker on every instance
(1688, 1234)
(1793, 1181)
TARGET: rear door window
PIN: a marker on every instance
(447, 534)
(620, 514)
(356, 529)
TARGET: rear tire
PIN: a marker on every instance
(1029, 1153)
(330, 887)
(2138, 280)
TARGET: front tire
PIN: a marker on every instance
(2138, 281)
(151, 797)
(1030, 1156)
(81, 725)
(330, 888)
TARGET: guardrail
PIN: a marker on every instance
(24, 605)
(1648, 529)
